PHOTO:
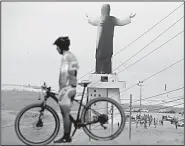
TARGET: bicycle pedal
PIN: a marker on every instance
(103, 126)
(79, 125)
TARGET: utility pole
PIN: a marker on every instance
(140, 84)
(165, 89)
(130, 116)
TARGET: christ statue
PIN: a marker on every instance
(104, 43)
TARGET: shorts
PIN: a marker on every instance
(66, 95)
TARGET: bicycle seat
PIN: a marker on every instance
(84, 83)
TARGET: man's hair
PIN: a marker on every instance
(63, 43)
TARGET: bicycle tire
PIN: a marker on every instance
(121, 127)
(23, 139)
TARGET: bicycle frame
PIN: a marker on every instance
(77, 122)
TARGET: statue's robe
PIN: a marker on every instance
(104, 43)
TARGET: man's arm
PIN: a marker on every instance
(119, 22)
(63, 76)
(73, 66)
(92, 21)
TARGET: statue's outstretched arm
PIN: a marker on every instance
(92, 21)
(119, 22)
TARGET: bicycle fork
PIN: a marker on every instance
(40, 122)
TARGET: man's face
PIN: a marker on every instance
(59, 50)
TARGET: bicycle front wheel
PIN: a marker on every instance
(110, 116)
(34, 128)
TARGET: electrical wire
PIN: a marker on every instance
(141, 35)
(150, 77)
(148, 54)
(160, 94)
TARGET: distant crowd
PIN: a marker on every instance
(147, 120)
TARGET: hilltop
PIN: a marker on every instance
(156, 106)
(11, 97)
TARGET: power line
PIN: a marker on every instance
(171, 101)
(150, 28)
(141, 35)
(125, 99)
(85, 74)
(127, 88)
(160, 94)
(175, 97)
(164, 69)
(162, 100)
(148, 53)
(168, 101)
(149, 43)
(151, 52)
(166, 107)
(150, 76)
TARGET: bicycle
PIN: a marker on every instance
(86, 118)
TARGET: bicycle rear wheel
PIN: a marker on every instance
(109, 113)
(32, 131)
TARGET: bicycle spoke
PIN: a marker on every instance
(95, 112)
(33, 128)
(104, 119)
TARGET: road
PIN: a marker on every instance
(160, 135)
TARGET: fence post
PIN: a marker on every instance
(130, 116)
(89, 113)
(112, 119)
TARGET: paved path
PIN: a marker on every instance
(151, 136)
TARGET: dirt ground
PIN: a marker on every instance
(167, 134)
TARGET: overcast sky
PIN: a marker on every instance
(29, 30)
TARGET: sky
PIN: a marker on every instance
(30, 28)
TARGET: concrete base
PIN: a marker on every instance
(106, 81)
(105, 85)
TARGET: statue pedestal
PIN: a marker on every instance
(105, 85)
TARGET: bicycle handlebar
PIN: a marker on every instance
(47, 89)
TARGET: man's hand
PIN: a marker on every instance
(86, 15)
(132, 15)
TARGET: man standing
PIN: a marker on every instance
(104, 45)
(155, 122)
(67, 84)
(145, 122)
(137, 121)
(176, 124)
(162, 122)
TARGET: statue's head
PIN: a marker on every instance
(105, 9)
